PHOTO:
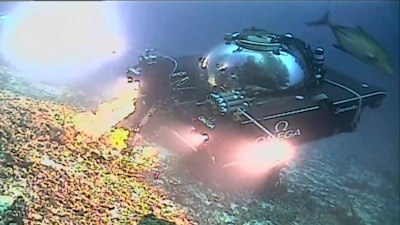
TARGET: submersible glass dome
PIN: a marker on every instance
(256, 59)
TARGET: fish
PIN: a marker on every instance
(359, 44)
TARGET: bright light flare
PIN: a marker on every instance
(60, 41)
(260, 157)
(197, 139)
(120, 88)
(136, 84)
(108, 114)
(189, 137)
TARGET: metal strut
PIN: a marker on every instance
(259, 125)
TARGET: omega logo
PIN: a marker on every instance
(282, 130)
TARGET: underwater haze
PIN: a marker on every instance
(187, 28)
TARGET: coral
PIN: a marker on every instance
(5, 203)
(62, 173)
(118, 138)
(12, 209)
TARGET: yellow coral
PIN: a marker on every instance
(118, 138)
(94, 184)
(97, 122)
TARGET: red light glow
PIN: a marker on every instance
(190, 137)
(197, 139)
(261, 156)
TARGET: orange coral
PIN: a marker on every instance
(70, 181)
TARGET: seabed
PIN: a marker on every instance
(51, 172)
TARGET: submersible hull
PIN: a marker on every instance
(328, 102)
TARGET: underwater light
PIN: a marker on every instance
(263, 155)
(59, 42)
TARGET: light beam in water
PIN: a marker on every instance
(57, 42)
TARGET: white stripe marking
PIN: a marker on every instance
(359, 98)
(184, 140)
(316, 107)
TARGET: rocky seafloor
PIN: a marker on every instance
(45, 180)
(320, 188)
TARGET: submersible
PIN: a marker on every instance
(255, 85)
